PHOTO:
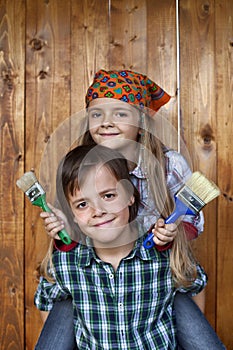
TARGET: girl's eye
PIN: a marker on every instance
(96, 114)
(121, 114)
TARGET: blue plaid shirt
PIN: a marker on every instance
(177, 173)
(131, 308)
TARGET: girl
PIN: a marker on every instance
(121, 114)
(121, 108)
(122, 293)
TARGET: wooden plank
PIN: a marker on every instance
(12, 23)
(161, 43)
(128, 35)
(47, 105)
(90, 46)
(224, 98)
(199, 124)
(161, 64)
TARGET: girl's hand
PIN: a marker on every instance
(53, 222)
(164, 233)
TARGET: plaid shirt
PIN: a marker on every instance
(177, 173)
(131, 308)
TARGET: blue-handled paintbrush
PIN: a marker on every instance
(189, 200)
(29, 184)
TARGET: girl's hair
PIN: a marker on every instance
(182, 261)
(71, 173)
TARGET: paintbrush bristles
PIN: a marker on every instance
(26, 181)
(204, 188)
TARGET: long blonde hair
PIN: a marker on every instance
(182, 261)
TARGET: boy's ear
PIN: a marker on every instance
(131, 201)
(141, 131)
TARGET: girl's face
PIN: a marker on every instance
(113, 122)
(101, 208)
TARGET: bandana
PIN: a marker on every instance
(127, 86)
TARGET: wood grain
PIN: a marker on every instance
(47, 105)
(161, 65)
(90, 46)
(224, 108)
(128, 35)
(12, 57)
(199, 124)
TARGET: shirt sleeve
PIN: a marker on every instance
(47, 294)
(198, 284)
(178, 172)
(59, 245)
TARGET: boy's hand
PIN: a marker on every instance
(164, 233)
(53, 222)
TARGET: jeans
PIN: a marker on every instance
(193, 330)
(58, 330)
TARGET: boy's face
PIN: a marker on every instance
(113, 122)
(101, 208)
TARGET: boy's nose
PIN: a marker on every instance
(97, 210)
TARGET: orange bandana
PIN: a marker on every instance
(127, 86)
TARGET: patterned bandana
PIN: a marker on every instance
(127, 86)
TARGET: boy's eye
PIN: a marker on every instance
(81, 205)
(109, 196)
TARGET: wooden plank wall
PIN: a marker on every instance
(49, 51)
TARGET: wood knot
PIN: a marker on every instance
(36, 44)
(12, 290)
(42, 74)
(206, 8)
(19, 156)
(227, 197)
(8, 78)
(133, 9)
(46, 139)
(114, 43)
(207, 137)
(133, 38)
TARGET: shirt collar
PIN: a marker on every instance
(138, 172)
(86, 253)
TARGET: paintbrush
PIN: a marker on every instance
(189, 200)
(29, 184)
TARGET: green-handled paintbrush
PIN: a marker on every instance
(29, 184)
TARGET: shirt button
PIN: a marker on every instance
(121, 305)
(111, 276)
